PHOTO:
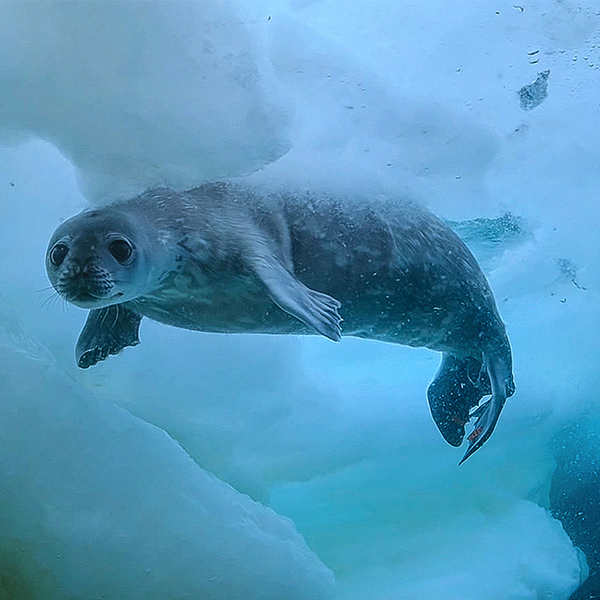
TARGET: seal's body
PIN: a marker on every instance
(228, 258)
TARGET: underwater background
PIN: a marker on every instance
(280, 468)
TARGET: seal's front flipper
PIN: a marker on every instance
(500, 373)
(459, 385)
(107, 331)
(318, 310)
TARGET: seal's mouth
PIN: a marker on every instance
(87, 290)
(85, 297)
(90, 297)
(91, 300)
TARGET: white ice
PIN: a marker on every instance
(98, 504)
(404, 97)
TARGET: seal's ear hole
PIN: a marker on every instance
(121, 249)
(58, 254)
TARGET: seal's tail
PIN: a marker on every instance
(459, 386)
(498, 364)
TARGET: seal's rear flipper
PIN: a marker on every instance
(318, 310)
(500, 373)
(107, 331)
(459, 385)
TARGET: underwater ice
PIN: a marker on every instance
(241, 467)
(98, 504)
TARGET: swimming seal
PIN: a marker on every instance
(227, 257)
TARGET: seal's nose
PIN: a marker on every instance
(84, 282)
(83, 264)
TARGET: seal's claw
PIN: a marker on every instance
(487, 416)
(479, 410)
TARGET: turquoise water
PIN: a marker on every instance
(266, 467)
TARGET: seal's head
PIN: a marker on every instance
(98, 258)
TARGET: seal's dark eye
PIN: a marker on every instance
(121, 249)
(58, 254)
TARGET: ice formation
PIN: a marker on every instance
(101, 99)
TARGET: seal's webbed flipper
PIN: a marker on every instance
(500, 374)
(318, 310)
(459, 385)
(107, 331)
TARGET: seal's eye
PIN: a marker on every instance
(121, 250)
(58, 254)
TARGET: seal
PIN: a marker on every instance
(232, 258)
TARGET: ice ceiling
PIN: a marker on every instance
(257, 467)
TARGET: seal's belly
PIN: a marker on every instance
(229, 303)
(382, 311)
(249, 316)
